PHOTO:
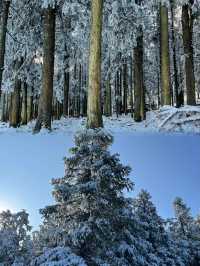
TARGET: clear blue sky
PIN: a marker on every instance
(166, 165)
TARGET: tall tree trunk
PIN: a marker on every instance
(108, 100)
(45, 103)
(94, 119)
(131, 86)
(30, 106)
(108, 96)
(187, 27)
(66, 94)
(139, 93)
(120, 91)
(3, 107)
(176, 85)
(164, 57)
(24, 104)
(125, 87)
(15, 115)
(8, 100)
(3, 29)
(80, 90)
(117, 84)
(84, 92)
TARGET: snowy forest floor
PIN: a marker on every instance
(167, 119)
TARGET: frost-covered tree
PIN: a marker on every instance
(14, 238)
(91, 214)
(185, 229)
(162, 249)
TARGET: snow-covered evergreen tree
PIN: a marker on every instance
(163, 250)
(14, 238)
(92, 216)
(185, 229)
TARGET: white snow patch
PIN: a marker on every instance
(167, 119)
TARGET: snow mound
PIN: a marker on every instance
(185, 119)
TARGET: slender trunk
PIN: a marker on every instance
(35, 107)
(94, 119)
(108, 96)
(3, 29)
(3, 107)
(176, 85)
(8, 100)
(80, 91)
(164, 57)
(125, 89)
(66, 94)
(187, 27)
(139, 93)
(131, 86)
(117, 93)
(45, 103)
(84, 93)
(120, 92)
(30, 106)
(24, 105)
(15, 115)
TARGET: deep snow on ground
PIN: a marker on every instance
(167, 119)
(166, 165)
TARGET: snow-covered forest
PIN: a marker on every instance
(87, 58)
(91, 222)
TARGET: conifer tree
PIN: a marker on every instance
(91, 215)
(14, 238)
(162, 249)
(185, 229)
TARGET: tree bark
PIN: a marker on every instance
(139, 93)
(45, 102)
(187, 27)
(30, 106)
(3, 29)
(125, 87)
(176, 85)
(131, 87)
(94, 119)
(3, 107)
(24, 104)
(164, 57)
(15, 115)
(108, 96)
(66, 94)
